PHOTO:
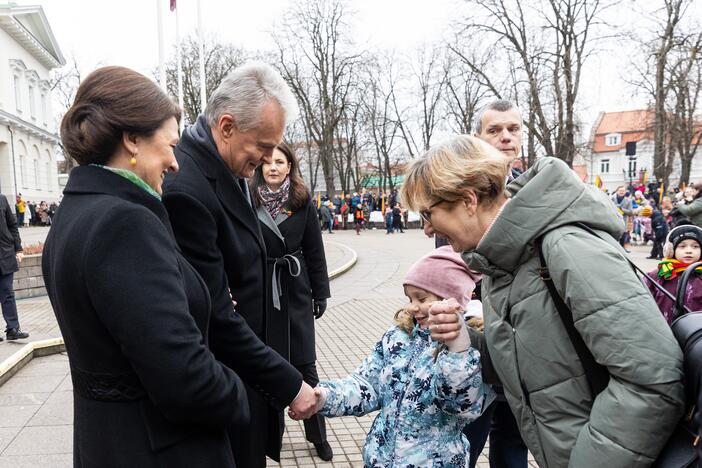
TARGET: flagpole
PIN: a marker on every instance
(179, 65)
(161, 57)
(203, 90)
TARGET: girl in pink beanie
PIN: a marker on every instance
(426, 391)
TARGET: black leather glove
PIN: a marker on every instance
(320, 305)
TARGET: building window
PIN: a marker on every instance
(632, 167)
(613, 139)
(43, 108)
(604, 166)
(49, 185)
(21, 168)
(36, 174)
(18, 94)
(32, 103)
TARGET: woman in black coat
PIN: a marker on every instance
(297, 267)
(133, 313)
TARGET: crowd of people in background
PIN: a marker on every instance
(650, 213)
(30, 213)
(342, 211)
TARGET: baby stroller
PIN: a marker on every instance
(683, 449)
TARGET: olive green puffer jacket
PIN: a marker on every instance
(528, 346)
(693, 211)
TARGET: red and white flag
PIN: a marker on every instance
(173, 5)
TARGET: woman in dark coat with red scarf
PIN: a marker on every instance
(297, 268)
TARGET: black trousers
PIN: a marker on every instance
(657, 249)
(7, 300)
(315, 427)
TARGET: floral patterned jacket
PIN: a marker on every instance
(423, 403)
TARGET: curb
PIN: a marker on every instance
(19, 359)
(26, 353)
(346, 266)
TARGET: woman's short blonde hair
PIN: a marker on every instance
(445, 170)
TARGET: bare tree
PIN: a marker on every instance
(429, 80)
(382, 125)
(64, 84)
(220, 59)
(547, 45)
(463, 95)
(314, 54)
(674, 10)
(685, 86)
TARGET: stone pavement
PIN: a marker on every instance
(36, 404)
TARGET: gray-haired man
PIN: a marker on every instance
(500, 124)
(217, 229)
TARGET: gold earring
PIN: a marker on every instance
(133, 161)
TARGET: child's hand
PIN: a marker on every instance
(321, 397)
(447, 325)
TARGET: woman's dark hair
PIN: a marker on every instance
(299, 193)
(110, 101)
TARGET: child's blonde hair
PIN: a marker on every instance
(404, 320)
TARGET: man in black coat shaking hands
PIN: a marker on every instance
(217, 229)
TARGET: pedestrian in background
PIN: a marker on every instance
(624, 205)
(11, 257)
(327, 216)
(693, 208)
(298, 271)
(358, 219)
(388, 221)
(397, 218)
(20, 208)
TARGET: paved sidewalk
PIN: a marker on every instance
(36, 404)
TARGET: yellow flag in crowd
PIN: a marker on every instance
(598, 182)
(660, 199)
(319, 200)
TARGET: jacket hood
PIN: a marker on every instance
(547, 196)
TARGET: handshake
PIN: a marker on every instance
(307, 403)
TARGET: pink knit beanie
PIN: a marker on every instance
(444, 273)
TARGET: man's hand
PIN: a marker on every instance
(320, 305)
(305, 405)
(445, 321)
(19, 256)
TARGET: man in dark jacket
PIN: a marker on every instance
(500, 124)
(10, 257)
(216, 227)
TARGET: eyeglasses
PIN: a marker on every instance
(426, 213)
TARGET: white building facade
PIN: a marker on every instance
(28, 140)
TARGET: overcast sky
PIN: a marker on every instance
(124, 32)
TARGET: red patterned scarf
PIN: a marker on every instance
(274, 202)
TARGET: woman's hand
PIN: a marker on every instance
(447, 325)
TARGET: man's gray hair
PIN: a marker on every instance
(499, 105)
(245, 91)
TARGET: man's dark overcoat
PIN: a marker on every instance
(217, 229)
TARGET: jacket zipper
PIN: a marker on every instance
(413, 357)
